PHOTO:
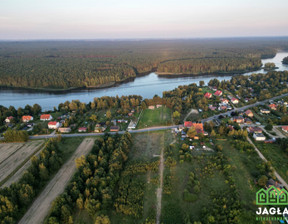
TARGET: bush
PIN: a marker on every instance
(15, 136)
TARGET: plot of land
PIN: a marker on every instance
(40, 208)
(157, 117)
(12, 155)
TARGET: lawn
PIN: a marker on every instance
(157, 117)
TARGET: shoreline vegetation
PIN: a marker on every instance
(129, 79)
(63, 66)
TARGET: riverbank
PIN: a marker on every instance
(176, 75)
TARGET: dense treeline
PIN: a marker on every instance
(285, 61)
(92, 187)
(62, 65)
(15, 136)
(17, 198)
(210, 65)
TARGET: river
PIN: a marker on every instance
(146, 86)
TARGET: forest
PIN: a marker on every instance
(93, 186)
(61, 65)
(17, 198)
(285, 61)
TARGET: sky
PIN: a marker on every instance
(122, 19)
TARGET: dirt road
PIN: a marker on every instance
(160, 188)
(41, 206)
(192, 111)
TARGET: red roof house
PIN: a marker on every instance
(218, 93)
(53, 125)
(188, 124)
(285, 128)
(249, 113)
(46, 117)
(27, 118)
(273, 106)
(208, 95)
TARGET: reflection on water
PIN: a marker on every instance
(146, 86)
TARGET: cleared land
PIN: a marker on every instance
(157, 117)
(14, 154)
(18, 174)
(40, 208)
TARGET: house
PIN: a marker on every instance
(188, 124)
(249, 113)
(285, 128)
(114, 128)
(122, 121)
(248, 121)
(223, 107)
(254, 130)
(9, 119)
(132, 125)
(53, 125)
(158, 105)
(273, 106)
(151, 107)
(46, 117)
(234, 100)
(259, 137)
(64, 130)
(198, 127)
(130, 114)
(265, 111)
(82, 129)
(224, 101)
(208, 95)
(99, 128)
(238, 119)
(218, 93)
(27, 118)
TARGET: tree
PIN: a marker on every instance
(192, 132)
(269, 127)
(15, 136)
(108, 114)
(201, 83)
(103, 219)
(262, 181)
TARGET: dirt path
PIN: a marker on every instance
(17, 158)
(192, 111)
(160, 188)
(41, 206)
(265, 160)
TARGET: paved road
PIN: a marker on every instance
(99, 134)
(265, 160)
(162, 127)
(40, 207)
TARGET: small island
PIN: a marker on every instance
(270, 66)
(285, 60)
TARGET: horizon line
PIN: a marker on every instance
(137, 38)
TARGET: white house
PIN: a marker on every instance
(9, 119)
(259, 137)
(46, 117)
(53, 125)
(234, 100)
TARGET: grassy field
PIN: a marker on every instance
(276, 156)
(157, 117)
(176, 209)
